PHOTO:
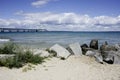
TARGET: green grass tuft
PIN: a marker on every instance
(20, 59)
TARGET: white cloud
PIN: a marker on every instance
(19, 12)
(40, 3)
(63, 21)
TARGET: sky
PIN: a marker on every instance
(61, 15)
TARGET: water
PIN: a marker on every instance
(47, 39)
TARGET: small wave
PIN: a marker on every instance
(4, 40)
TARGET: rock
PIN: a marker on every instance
(61, 51)
(44, 54)
(75, 49)
(118, 53)
(102, 47)
(116, 59)
(69, 49)
(112, 57)
(108, 56)
(95, 54)
(94, 44)
(107, 48)
(41, 53)
(98, 57)
(90, 53)
(37, 52)
(106, 43)
(117, 46)
(84, 48)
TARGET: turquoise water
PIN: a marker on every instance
(47, 39)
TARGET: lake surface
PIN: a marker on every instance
(47, 39)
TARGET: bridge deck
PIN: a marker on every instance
(20, 30)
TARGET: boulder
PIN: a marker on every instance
(75, 49)
(116, 59)
(106, 43)
(37, 52)
(108, 56)
(61, 51)
(102, 47)
(84, 48)
(98, 57)
(107, 48)
(44, 54)
(117, 46)
(90, 53)
(95, 54)
(69, 49)
(41, 53)
(118, 53)
(94, 44)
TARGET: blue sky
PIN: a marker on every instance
(72, 14)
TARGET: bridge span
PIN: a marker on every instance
(20, 30)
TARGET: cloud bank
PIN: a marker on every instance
(63, 22)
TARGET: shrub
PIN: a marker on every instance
(29, 57)
(8, 48)
(20, 59)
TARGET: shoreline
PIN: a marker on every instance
(76, 62)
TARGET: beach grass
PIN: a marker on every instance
(20, 57)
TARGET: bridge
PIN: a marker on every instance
(20, 30)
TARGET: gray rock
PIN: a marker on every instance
(117, 46)
(98, 57)
(104, 48)
(41, 53)
(84, 48)
(95, 54)
(37, 52)
(69, 49)
(90, 53)
(116, 59)
(106, 43)
(75, 48)
(44, 54)
(61, 51)
(118, 53)
(94, 44)
(108, 56)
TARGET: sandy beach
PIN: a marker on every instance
(74, 68)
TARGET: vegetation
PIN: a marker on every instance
(21, 57)
(53, 53)
(8, 48)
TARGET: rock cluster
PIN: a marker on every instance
(106, 53)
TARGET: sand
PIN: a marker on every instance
(74, 68)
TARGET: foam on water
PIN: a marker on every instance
(4, 40)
